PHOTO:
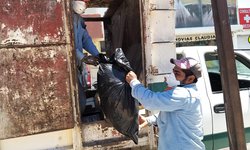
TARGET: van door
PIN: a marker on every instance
(216, 95)
(36, 90)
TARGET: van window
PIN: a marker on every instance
(242, 67)
(179, 56)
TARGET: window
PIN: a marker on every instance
(179, 56)
(198, 13)
(242, 67)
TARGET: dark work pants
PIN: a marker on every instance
(82, 97)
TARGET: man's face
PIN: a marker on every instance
(179, 74)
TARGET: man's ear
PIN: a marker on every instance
(190, 79)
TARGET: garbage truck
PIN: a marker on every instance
(39, 105)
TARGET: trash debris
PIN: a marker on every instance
(117, 103)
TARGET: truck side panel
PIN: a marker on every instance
(35, 70)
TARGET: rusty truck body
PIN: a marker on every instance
(39, 106)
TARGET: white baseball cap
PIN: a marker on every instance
(79, 7)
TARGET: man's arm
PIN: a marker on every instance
(170, 100)
(88, 44)
(84, 41)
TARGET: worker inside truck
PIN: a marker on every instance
(82, 41)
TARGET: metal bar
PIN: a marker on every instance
(229, 78)
(95, 19)
(99, 3)
(110, 141)
(32, 45)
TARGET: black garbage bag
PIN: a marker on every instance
(116, 100)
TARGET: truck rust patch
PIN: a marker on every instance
(34, 91)
(31, 21)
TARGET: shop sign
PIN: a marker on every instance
(194, 38)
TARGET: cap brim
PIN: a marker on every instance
(176, 62)
(172, 60)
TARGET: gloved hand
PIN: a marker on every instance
(103, 58)
(91, 60)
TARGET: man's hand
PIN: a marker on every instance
(142, 122)
(103, 58)
(91, 60)
(130, 76)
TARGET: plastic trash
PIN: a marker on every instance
(116, 100)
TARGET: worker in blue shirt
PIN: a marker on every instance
(83, 41)
(180, 115)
